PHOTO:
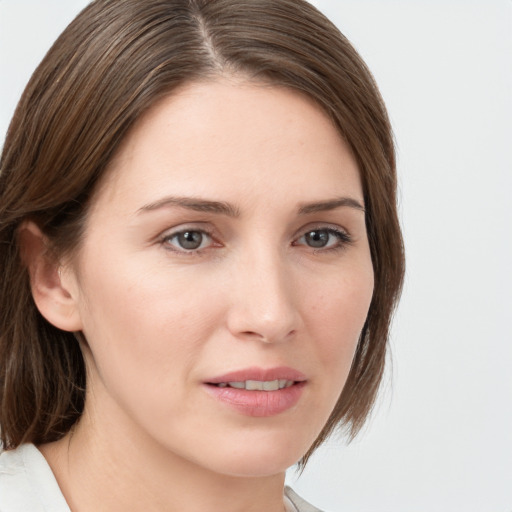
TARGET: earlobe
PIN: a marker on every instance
(52, 293)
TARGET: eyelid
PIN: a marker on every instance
(342, 234)
(167, 235)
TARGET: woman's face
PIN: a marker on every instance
(226, 245)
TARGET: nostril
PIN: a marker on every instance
(253, 318)
(268, 338)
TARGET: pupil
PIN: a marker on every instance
(317, 238)
(190, 239)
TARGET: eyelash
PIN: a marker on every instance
(343, 240)
(167, 238)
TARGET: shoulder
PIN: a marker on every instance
(27, 482)
(300, 504)
(15, 492)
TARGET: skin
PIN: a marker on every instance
(160, 319)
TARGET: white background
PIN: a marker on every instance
(441, 439)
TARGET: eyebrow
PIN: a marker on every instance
(193, 203)
(223, 208)
(331, 204)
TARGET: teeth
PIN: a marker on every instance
(271, 385)
(254, 385)
(258, 385)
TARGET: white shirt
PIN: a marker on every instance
(27, 484)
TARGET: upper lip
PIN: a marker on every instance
(259, 374)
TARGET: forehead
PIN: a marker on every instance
(232, 138)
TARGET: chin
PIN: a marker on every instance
(257, 467)
(258, 456)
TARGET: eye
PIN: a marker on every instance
(188, 240)
(324, 238)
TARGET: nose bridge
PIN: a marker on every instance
(265, 303)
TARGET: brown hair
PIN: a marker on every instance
(113, 62)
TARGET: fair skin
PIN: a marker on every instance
(274, 280)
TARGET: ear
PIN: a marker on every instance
(53, 288)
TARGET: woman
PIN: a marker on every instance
(200, 257)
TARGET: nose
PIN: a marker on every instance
(264, 299)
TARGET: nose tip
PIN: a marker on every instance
(265, 329)
(267, 332)
(264, 307)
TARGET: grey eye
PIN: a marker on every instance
(324, 238)
(318, 238)
(189, 240)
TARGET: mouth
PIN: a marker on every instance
(257, 392)
(256, 385)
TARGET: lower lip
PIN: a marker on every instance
(258, 403)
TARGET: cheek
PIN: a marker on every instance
(337, 316)
(143, 329)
